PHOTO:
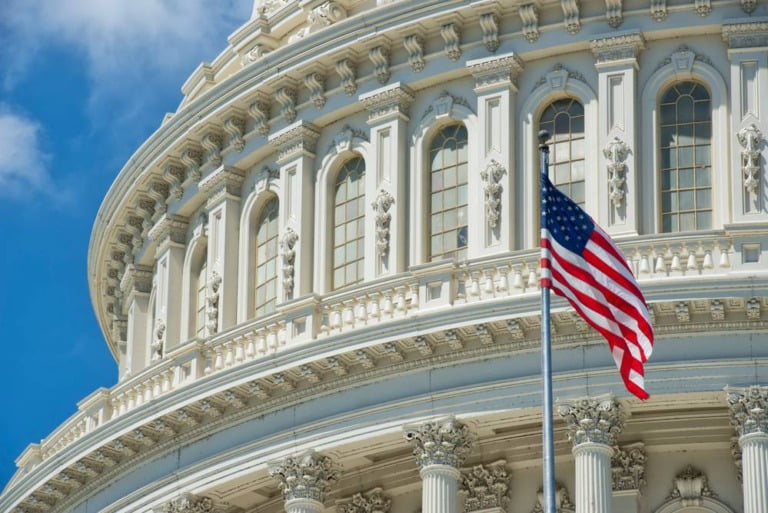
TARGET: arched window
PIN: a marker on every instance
(564, 119)
(448, 194)
(265, 288)
(686, 158)
(199, 294)
(349, 224)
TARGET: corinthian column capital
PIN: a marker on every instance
(440, 442)
(749, 409)
(595, 420)
(307, 476)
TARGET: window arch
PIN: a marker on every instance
(448, 158)
(266, 254)
(564, 120)
(348, 258)
(685, 118)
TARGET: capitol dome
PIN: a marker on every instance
(319, 276)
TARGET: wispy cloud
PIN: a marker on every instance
(23, 162)
(130, 47)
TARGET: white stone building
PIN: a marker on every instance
(319, 276)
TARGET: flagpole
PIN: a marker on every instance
(548, 462)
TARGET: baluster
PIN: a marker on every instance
(533, 280)
(388, 305)
(261, 346)
(250, 345)
(675, 266)
(272, 342)
(690, 264)
(348, 312)
(488, 285)
(661, 266)
(157, 385)
(400, 299)
(517, 279)
(474, 283)
(229, 355)
(645, 265)
(239, 350)
(708, 264)
(724, 260)
(413, 289)
(373, 305)
(336, 316)
(282, 333)
(503, 283)
(218, 362)
(362, 309)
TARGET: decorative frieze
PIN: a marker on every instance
(690, 486)
(288, 254)
(616, 151)
(619, 47)
(414, 45)
(390, 101)
(593, 420)
(259, 111)
(307, 476)
(315, 82)
(372, 501)
(485, 487)
(752, 34)
(751, 139)
(682, 310)
(628, 467)
(451, 34)
(347, 71)
(749, 409)
(444, 441)
(496, 71)
(529, 15)
(752, 307)
(295, 140)
(571, 16)
(382, 204)
(491, 179)
(490, 24)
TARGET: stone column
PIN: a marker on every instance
(169, 234)
(593, 425)
(305, 481)
(616, 62)
(387, 183)
(749, 415)
(749, 74)
(136, 286)
(492, 221)
(296, 146)
(223, 188)
(440, 447)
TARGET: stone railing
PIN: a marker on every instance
(427, 288)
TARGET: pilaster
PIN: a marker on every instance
(747, 41)
(440, 447)
(593, 425)
(749, 416)
(386, 185)
(296, 156)
(628, 472)
(136, 287)
(490, 203)
(618, 184)
(169, 234)
(305, 481)
(223, 188)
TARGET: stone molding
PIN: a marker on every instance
(169, 229)
(306, 476)
(445, 441)
(748, 408)
(748, 34)
(188, 503)
(617, 47)
(496, 71)
(485, 487)
(225, 181)
(298, 139)
(388, 102)
(628, 467)
(690, 486)
(372, 501)
(593, 420)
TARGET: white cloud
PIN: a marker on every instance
(23, 163)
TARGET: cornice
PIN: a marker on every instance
(388, 102)
(746, 33)
(222, 183)
(617, 47)
(296, 140)
(168, 230)
(499, 70)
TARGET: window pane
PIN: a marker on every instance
(265, 289)
(567, 157)
(348, 223)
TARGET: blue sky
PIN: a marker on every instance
(82, 84)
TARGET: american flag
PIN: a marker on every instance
(580, 262)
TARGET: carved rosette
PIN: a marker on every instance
(212, 303)
(751, 139)
(690, 486)
(381, 206)
(287, 244)
(373, 501)
(307, 476)
(749, 409)
(485, 487)
(491, 177)
(628, 467)
(591, 420)
(616, 151)
(188, 503)
(440, 442)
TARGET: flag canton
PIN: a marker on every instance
(566, 222)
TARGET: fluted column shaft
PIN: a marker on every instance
(754, 461)
(440, 487)
(593, 478)
(303, 506)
